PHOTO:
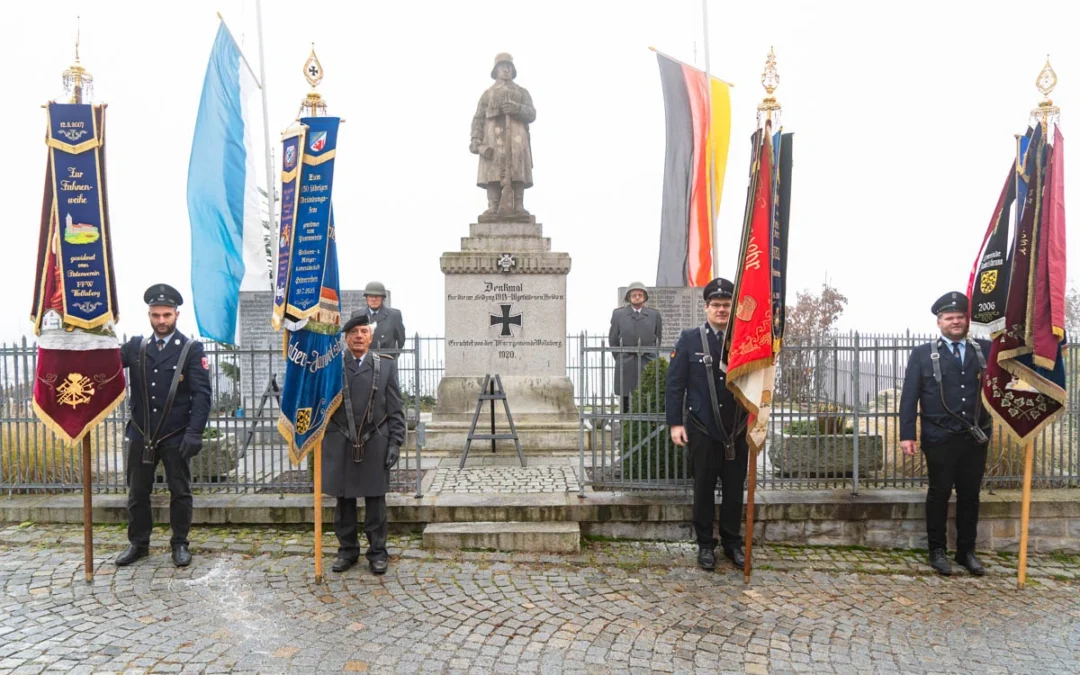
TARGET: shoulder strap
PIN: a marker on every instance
(347, 401)
(173, 386)
(978, 353)
(707, 359)
(145, 401)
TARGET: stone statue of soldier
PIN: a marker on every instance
(500, 136)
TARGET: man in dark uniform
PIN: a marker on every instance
(362, 443)
(388, 328)
(169, 379)
(633, 325)
(942, 387)
(715, 428)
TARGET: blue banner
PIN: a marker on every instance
(78, 232)
(306, 289)
(312, 391)
(311, 240)
(292, 149)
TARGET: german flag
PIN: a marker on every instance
(698, 133)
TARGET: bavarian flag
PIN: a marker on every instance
(756, 329)
(79, 378)
(698, 120)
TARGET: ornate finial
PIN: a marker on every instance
(313, 104)
(78, 82)
(1047, 112)
(770, 79)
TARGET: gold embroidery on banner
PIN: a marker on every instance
(746, 308)
(988, 281)
(761, 337)
(75, 390)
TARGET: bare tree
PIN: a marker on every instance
(809, 330)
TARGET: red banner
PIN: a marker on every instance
(74, 390)
(750, 356)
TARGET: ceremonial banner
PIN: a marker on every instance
(309, 288)
(988, 284)
(698, 135)
(1024, 387)
(79, 376)
(292, 148)
(750, 341)
(227, 249)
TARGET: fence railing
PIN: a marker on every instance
(835, 423)
(242, 449)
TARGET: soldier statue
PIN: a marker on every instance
(500, 136)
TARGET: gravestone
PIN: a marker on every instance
(680, 307)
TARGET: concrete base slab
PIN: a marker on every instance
(556, 537)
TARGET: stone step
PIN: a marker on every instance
(549, 537)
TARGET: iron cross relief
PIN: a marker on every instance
(506, 320)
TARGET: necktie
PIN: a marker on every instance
(956, 350)
(160, 344)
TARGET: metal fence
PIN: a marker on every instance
(835, 422)
(242, 449)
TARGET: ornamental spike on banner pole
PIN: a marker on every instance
(306, 290)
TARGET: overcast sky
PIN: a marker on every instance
(903, 113)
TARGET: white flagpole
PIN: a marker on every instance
(271, 197)
(714, 209)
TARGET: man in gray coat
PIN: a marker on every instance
(362, 443)
(633, 326)
(388, 328)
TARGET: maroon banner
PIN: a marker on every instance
(1024, 387)
(75, 390)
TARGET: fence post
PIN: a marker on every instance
(416, 407)
(581, 416)
(855, 431)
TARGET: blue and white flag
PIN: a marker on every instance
(227, 246)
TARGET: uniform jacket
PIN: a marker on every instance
(963, 394)
(342, 476)
(149, 387)
(389, 331)
(686, 376)
(631, 329)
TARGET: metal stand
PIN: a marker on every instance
(271, 389)
(492, 390)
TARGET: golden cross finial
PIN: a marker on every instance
(313, 70)
(313, 105)
(78, 26)
(770, 79)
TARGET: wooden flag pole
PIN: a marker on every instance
(318, 513)
(1025, 514)
(88, 508)
(751, 483)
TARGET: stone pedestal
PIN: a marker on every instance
(506, 315)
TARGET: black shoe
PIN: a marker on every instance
(706, 559)
(940, 563)
(379, 566)
(343, 564)
(971, 563)
(181, 556)
(132, 554)
(736, 556)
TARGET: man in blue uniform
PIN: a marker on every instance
(942, 387)
(169, 379)
(715, 428)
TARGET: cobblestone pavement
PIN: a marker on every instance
(249, 604)
(506, 479)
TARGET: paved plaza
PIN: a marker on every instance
(249, 604)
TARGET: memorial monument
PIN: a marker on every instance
(505, 294)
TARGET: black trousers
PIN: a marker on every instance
(140, 478)
(707, 457)
(961, 464)
(375, 527)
